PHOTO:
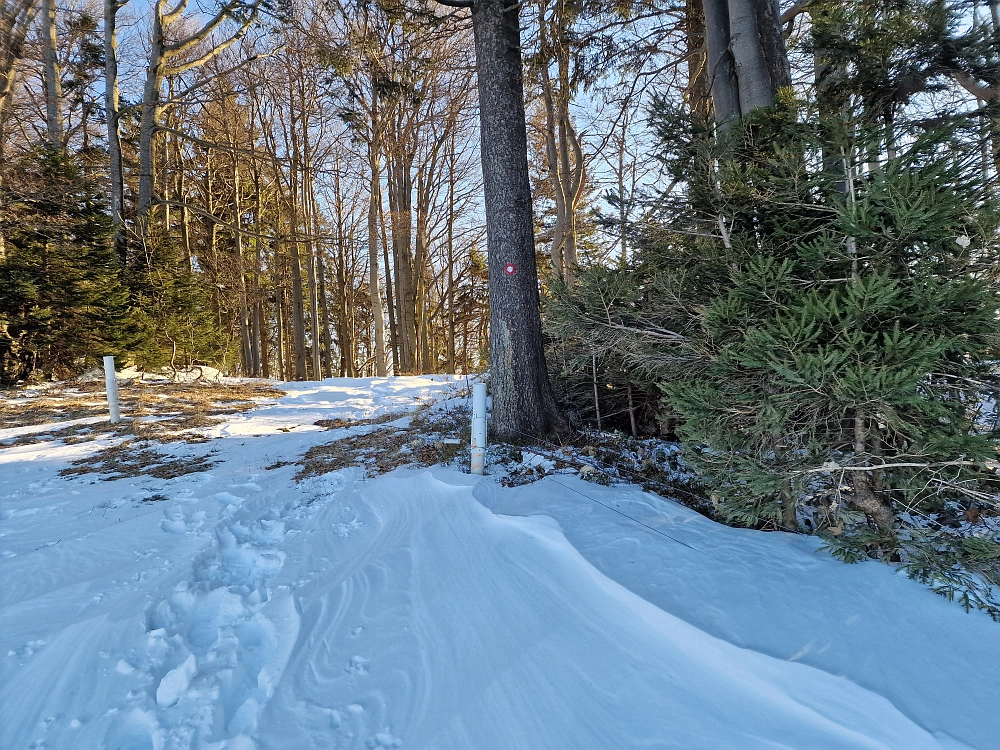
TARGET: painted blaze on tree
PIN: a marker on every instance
(523, 403)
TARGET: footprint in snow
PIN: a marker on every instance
(357, 666)
(214, 652)
(344, 530)
(383, 739)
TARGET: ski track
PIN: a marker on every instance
(434, 610)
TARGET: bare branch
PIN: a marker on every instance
(795, 10)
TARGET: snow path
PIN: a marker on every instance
(430, 609)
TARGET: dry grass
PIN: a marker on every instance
(179, 408)
(178, 411)
(380, 450)
(136, 458)
(337, 424)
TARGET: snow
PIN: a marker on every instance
(434, 609)
(7, 433)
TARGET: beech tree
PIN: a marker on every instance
(171, 57)
(747, 62)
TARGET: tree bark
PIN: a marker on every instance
(150, 110)
(53, 84)
(374, 292)
(16, 18)
(699, 87)
(747, 60)
(865, 498)
(164, 58)
(523, 403)
(721, 64)
(563, 150)
(297, 361)
(755, 90)
(389, 301)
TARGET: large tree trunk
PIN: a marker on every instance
(246, 345)
(755, 88)
(721, 65)
(566, 164)
(523, 404)
(450, 250)
(297, 300)
(772, 44)
(321, 271)
(389, 303)
(16, 17)
(401, 219)
(747, 61)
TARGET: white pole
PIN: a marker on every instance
(478, 427)
(111, 384)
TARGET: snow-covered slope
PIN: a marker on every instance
(431, 609)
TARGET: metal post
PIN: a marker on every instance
(478, 428)
(111, 384)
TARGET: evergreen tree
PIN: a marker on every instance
(819, 312)
(173, 311)
(62, 301)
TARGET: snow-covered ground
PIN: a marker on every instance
(430, 609)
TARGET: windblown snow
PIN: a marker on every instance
(430, 609)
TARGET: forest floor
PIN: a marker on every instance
(305, 565)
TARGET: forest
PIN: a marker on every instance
(767, 230)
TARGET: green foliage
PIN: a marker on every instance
(817, 306)
(62, 301)
(173, 310)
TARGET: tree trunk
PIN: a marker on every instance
(699, 87)
(246, 346)
(401, 219)
(523, 404)
(450, 249)
(16, 18)
(150, 112)
(721, 65)
(389, 302)
(865, 499)
(280, 325)
(563, 150)
(113, 117)
(327, 364)
(755, 89)
(297, 301)
(375, 294)
(53, 84)
(772, 44)
(747, 60)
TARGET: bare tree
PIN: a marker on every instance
(112, 99)
(169, 58)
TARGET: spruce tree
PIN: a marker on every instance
(818, 308)
(62, 301)
(173, 310)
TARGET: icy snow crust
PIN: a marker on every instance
(430, 609)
